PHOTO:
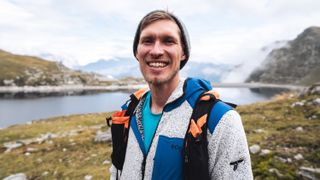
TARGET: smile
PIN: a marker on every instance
(157, 64)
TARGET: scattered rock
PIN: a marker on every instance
(265, 152)
(19, 176)
(88, 177)
(45, 173)
(275, 171)
(309, 173)
(314, 117)
(30, 149)
(297, 104)
(64, 149)
(103, 137)
(45, 137)
(9, 82)
(254, 149)
(106, 162)
(316, 102)
(289, 160)
(299, 129)
(298, 157)
(27, 154)
(283, 160)
(258, 130)
(11, 146)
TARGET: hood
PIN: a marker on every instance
(188, 90)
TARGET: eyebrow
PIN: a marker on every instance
(150, 36)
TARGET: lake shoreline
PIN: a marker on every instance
(67, 88)
(79, 88)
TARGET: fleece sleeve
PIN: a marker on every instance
(113, 172)
(229, 156)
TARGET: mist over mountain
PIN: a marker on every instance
(296, 63)
(250, 62)
(127, 67)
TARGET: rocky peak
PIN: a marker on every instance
(296, 63)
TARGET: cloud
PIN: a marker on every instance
(228, 31)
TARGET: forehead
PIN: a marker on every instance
(161, 27)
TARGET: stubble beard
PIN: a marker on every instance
(155, 81)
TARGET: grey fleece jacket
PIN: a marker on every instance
(227, 141)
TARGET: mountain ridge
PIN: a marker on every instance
(21, 70)
(128, 67)
(296, 63)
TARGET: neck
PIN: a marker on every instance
(160, 95)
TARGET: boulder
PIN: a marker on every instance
(316, 102)
(309, 173)
(265, 152)
(11, 146)
(298, 157)
(299, 129)
(276, 172)
(254, 149)
(88, 177)
(103, 137)
(19, 176)
(297, 104)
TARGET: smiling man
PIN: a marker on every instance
(178, 129)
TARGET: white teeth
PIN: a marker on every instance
(157, 64)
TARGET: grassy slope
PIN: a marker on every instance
(47, 72)
(73, 157)
(77, 156)
(279, 120)
(15, 65)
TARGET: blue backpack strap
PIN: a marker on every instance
(216, 113)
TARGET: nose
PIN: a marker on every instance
(157, 50)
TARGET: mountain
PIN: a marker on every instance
(117, 68)
(296, 63)
(250, 62)
(209, 71)
(19, 70)
(128, 67)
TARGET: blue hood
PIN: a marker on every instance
(192, 89)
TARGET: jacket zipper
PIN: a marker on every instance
(143, 168)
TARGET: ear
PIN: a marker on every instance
(183, 57)
(136, 56)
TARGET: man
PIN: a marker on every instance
(160, 121)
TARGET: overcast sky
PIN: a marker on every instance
(83, 31)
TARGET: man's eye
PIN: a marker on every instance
(169, 41)
(147, 41)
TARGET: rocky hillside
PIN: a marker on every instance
(18, 70)
(296, 63)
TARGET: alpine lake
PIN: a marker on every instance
(21, 108)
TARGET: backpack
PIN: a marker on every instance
(194, 152)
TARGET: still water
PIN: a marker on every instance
(22, 110)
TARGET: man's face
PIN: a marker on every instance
(160, 52)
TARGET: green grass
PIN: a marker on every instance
(77, 156)
(71, 157)
(279, 120)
